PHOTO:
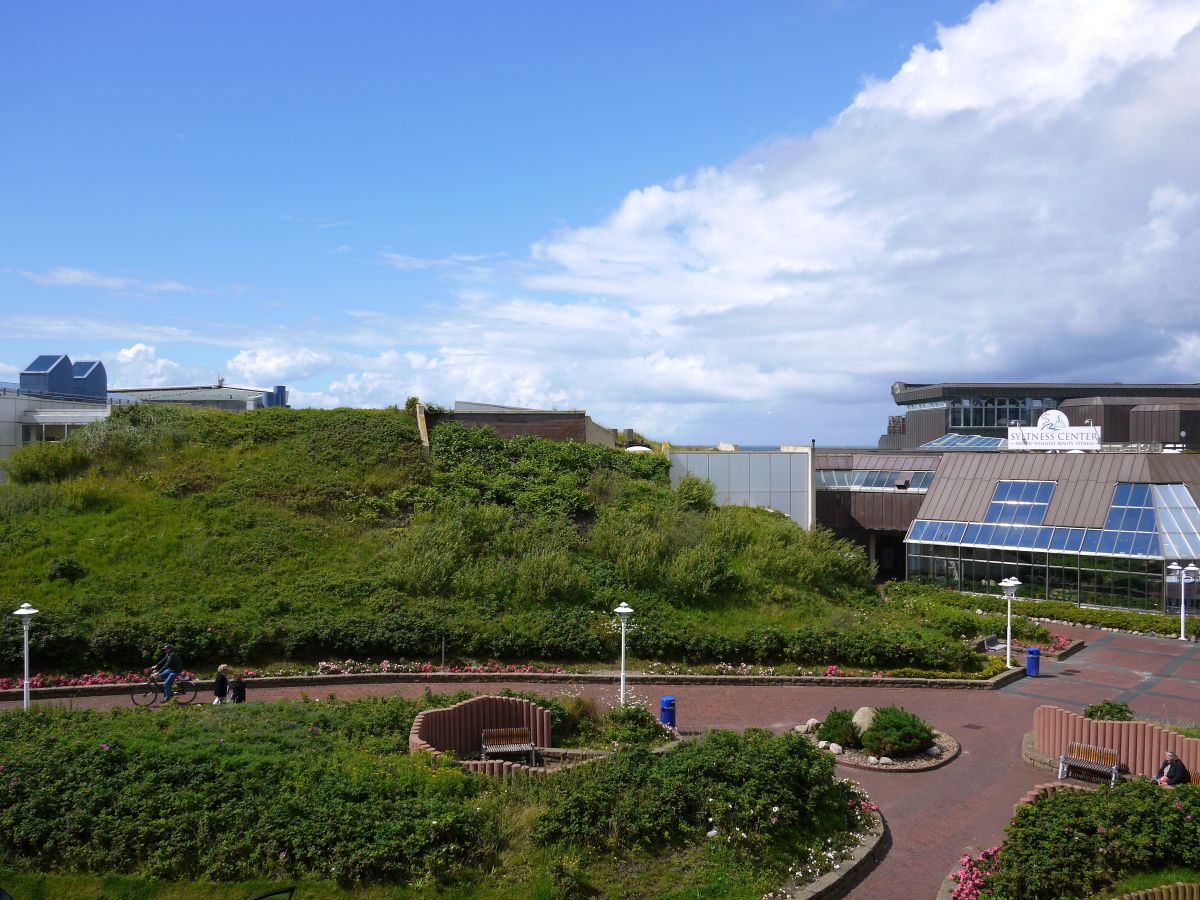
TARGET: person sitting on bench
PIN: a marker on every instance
(1172, 771)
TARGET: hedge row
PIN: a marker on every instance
(1041, 609)
(63, 642)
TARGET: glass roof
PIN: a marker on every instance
(1159, 521)
(965, 442)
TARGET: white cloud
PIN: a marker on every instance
(68, 276)
(1020, 201)
(278, 365)
(140, 366)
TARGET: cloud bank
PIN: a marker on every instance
(1021, 200)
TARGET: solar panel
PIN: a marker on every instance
(42, 365)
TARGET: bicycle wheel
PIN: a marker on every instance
(183, 692)
(145, 694)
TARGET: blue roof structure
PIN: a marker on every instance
(84, 368)
(42, 364)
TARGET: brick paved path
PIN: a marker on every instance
(933, 816)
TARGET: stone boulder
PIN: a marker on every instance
(835, 749)
(863, 718)
(885, 760)
(935, 751)
(822, 745)
(873, 760)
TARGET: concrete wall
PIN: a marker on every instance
(776, 479)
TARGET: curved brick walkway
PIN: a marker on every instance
(933, 816)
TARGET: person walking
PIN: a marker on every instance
(169, 668)
(237, 689)
(221, 685)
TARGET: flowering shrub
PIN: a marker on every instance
(41, 680)
(1077, 843)
(352, 667)
(1058, 643)
(972, 875)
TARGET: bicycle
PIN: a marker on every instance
(183, 691)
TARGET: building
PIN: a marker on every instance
(966, 409)
(515, 421)
(778, 478)
(216, 396)
(53, 396)
(1091, 528)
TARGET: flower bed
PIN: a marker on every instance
(971, 876)
(41, 680)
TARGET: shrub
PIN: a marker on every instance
(839, 728)
(68, 569)
(45, 462)
(1111, 710)
(1076, 843)
(896, 732)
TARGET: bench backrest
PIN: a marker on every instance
(493, 737)
(1090, 753)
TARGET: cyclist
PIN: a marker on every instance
(169, 667)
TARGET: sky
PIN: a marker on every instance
(704, 221)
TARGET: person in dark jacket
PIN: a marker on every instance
(168, 668)
(1172, 771)
(221, 685)
(237, 689)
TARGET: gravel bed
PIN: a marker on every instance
(857, 759)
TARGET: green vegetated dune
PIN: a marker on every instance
(304, 534)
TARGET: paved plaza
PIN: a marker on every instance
(932, 816)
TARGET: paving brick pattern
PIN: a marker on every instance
(933, 816)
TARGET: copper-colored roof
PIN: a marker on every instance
(965, 481)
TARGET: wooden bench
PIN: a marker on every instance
(508, 740)
(1099, 760)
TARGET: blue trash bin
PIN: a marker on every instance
(1033, 661)
(666, 711)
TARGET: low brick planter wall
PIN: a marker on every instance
(457, 678)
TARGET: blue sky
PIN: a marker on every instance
(706, 222)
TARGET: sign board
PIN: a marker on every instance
(1054, 432)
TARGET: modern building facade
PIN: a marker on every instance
(932, 411)
(1098, 528)
(216, 396)
(779, 479)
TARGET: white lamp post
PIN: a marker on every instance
(623, 612)
(26, 612)
(1184, 575)
(1010, 586)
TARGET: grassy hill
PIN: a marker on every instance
(303, 534)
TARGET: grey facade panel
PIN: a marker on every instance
(774, 479)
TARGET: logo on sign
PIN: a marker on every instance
(1053, 420)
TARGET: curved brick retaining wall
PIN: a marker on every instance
(1139, 745)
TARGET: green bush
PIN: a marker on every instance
(839, 728)
(755, 788)
(179, 794)
(1112, 710)
(895, 732)
(45, 463)
(1075, 843)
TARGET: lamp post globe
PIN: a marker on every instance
(26, 612)
(1010, 586)
(623, 612)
